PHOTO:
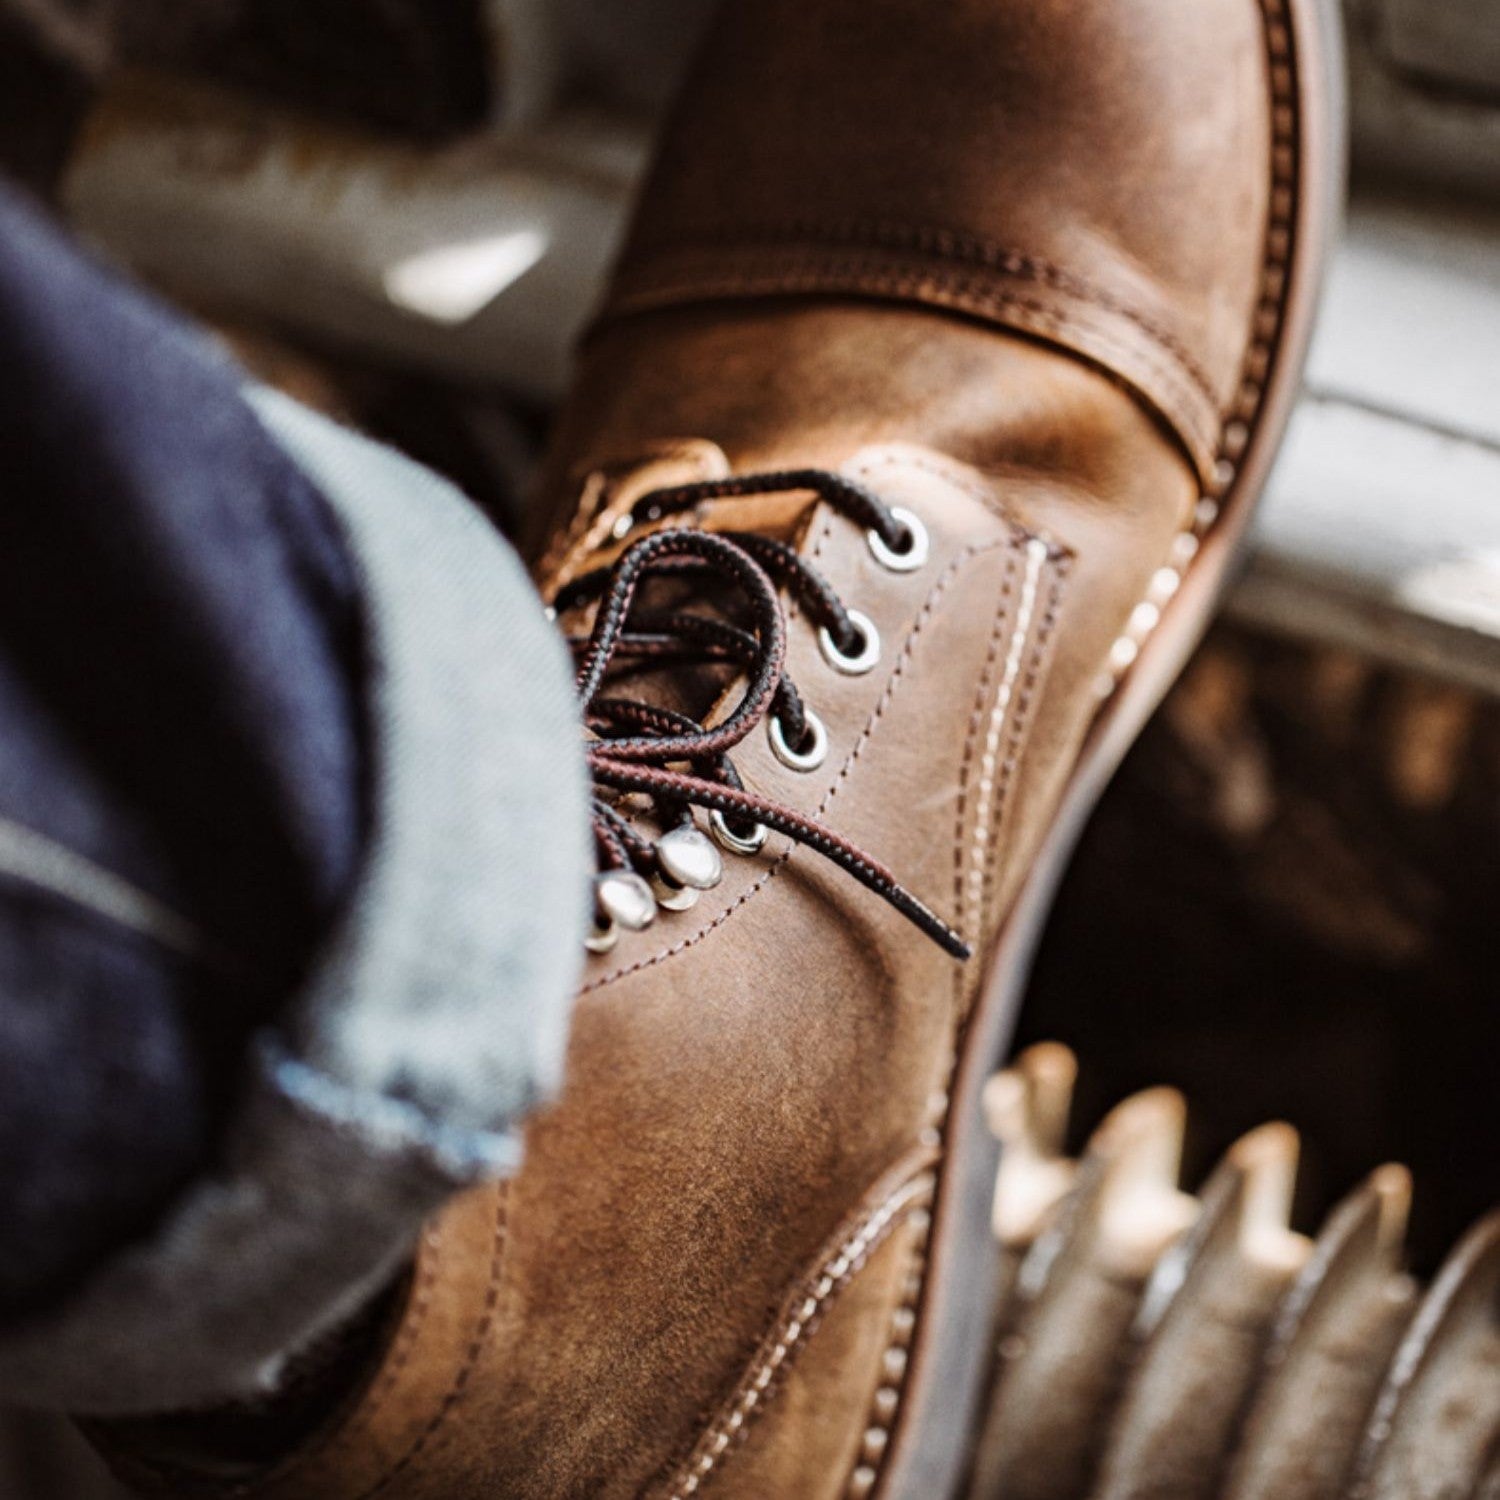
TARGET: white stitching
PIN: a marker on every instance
(850, 1252)
(1265, 330)
(969, 553)
(1036, 557)
(1266, 325)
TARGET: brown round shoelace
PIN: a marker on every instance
(645, 750)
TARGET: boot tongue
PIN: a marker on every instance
(609, 498)
(611, 515)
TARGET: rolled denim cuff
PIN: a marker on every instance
(437, 1015)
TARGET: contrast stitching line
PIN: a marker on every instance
(863, 1478)
(835, 1271)
(1021, 719)
(406, 1342)
(966, 769)
(1268, 323)
(1036, 558)
(465, 1371)
(369, 1408)
(892, 1385)
(947, 244)
(956, 479)
(873, 723)
(1063, 559)
(966, 294)
(270, 1483)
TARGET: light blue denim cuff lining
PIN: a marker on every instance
(447, 986)
(391, 1127)
(438, 1014)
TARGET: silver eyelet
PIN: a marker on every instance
(727, 838)
(865, 658)
(687, 865)
(674, 897)
(623, 897)
(801, 760)
(623, 901)
(915, 553)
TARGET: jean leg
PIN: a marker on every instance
(293, 853)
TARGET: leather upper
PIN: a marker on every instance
(1088, 172)
(1001, 261)
(754, 1086)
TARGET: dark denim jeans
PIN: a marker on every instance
(292, 851)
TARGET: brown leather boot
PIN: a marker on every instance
(1009, 299)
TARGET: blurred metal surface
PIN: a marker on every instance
(1433, 1432)
(1063, 1319)
(1425, 90)
(1381, 529)
(478, 262)
(1334, 1333)
(1455, 44)
(1218, 1355)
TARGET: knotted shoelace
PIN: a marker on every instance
(665, 755)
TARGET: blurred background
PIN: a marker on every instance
(402, 212)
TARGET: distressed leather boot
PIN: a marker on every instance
(941, 372)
